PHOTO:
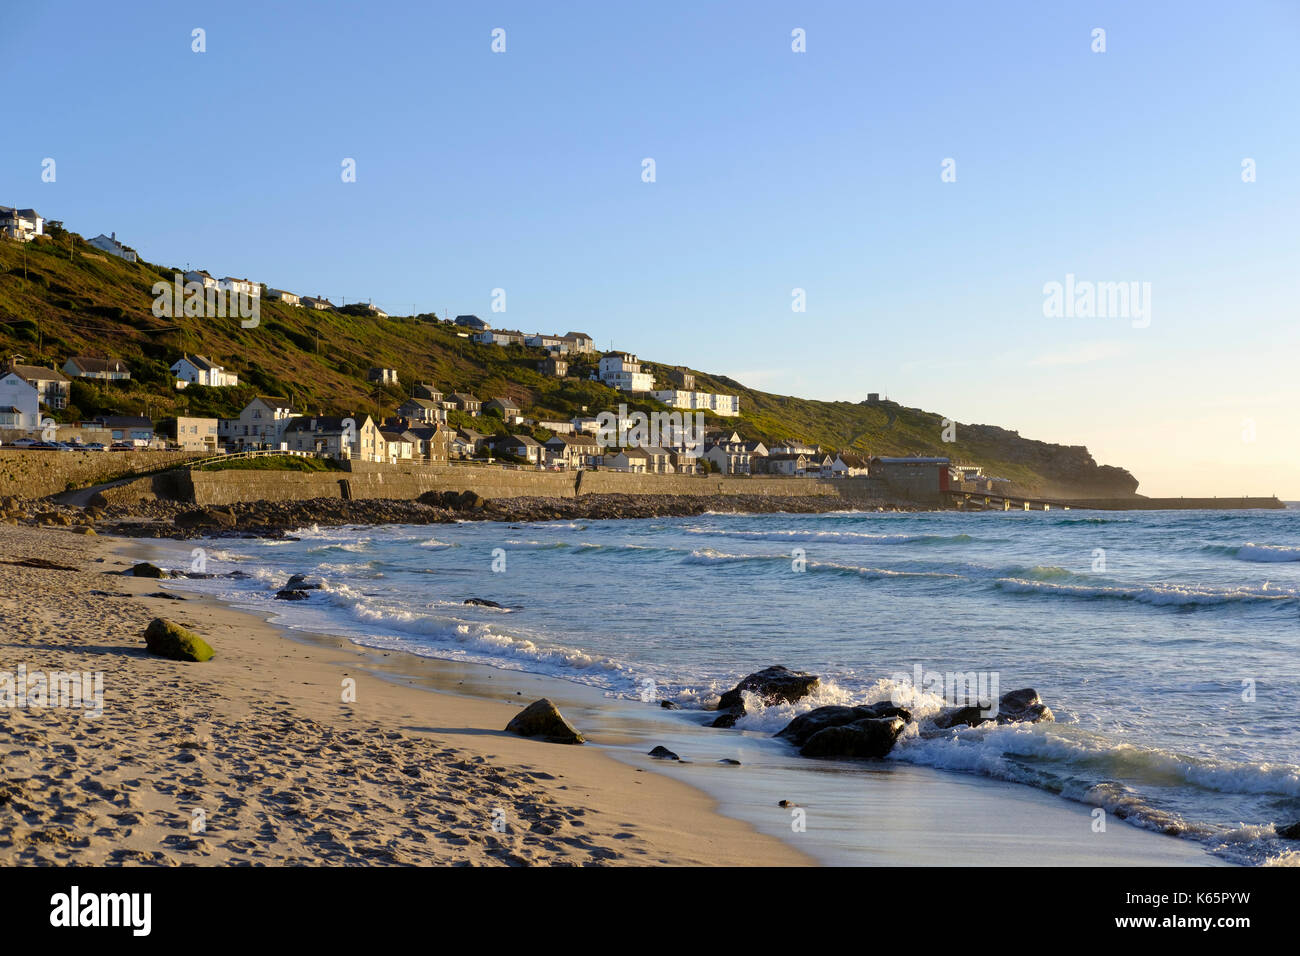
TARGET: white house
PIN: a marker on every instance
(398, 446)
(556, 343)
(241, 286)
(20, 405)
(110, 369)
(198, 370)
(725, 405)
(632, 460)
(202, 278)
(499, 337)
(110, 245)
(621, 370)
(52, 387)
(21, 224)
(847, 465)
(260, 425)
(288, 298)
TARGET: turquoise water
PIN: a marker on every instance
(1165, 642)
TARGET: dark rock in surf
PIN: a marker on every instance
(663, 753)
(669, 705)
(299, 582)
(871, 738)
(775, 685)
(1289, 833)
(482, 602)
(1014, 707)
(291, 594)
(805, 725)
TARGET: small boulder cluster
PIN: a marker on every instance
(868, 731)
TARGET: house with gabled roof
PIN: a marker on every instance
(506, 407)
(52, 386)
(466, 402)
(200, 370)
(579, 450)
(344, 437)
(110, 245)
(521, 446)
(21, 224)
(424, 410)
(260, 425)
(108, 369)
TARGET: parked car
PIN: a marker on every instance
(95, 446)
(123, 446)
(25, 443)
(43, 446)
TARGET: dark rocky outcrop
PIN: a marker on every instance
(663, 753)
(1291, 832)
(146, 570)
(669, 705)
(775, 685)
(543, 719)
(871, 738)
(1013, 707)
(168, 639)
(799, 730)
(205, 518)
(482, 602)
(299, 582)
(292, 594)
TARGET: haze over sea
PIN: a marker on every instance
(1165, 642)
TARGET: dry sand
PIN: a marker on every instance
(258, 745)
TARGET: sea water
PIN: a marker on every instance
(1165, 643)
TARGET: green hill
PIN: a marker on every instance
(60, 297)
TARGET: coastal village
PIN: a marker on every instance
(432, 425)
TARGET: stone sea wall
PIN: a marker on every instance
(404, 483)
(35, 474)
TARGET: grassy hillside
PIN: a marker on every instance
(60, 297)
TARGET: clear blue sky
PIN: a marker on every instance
(775, 170)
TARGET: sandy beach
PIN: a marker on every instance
(253, 757)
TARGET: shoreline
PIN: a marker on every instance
(694, 813)
(284, 771)
(952, 819)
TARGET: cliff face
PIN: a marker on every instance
(1065, 471)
